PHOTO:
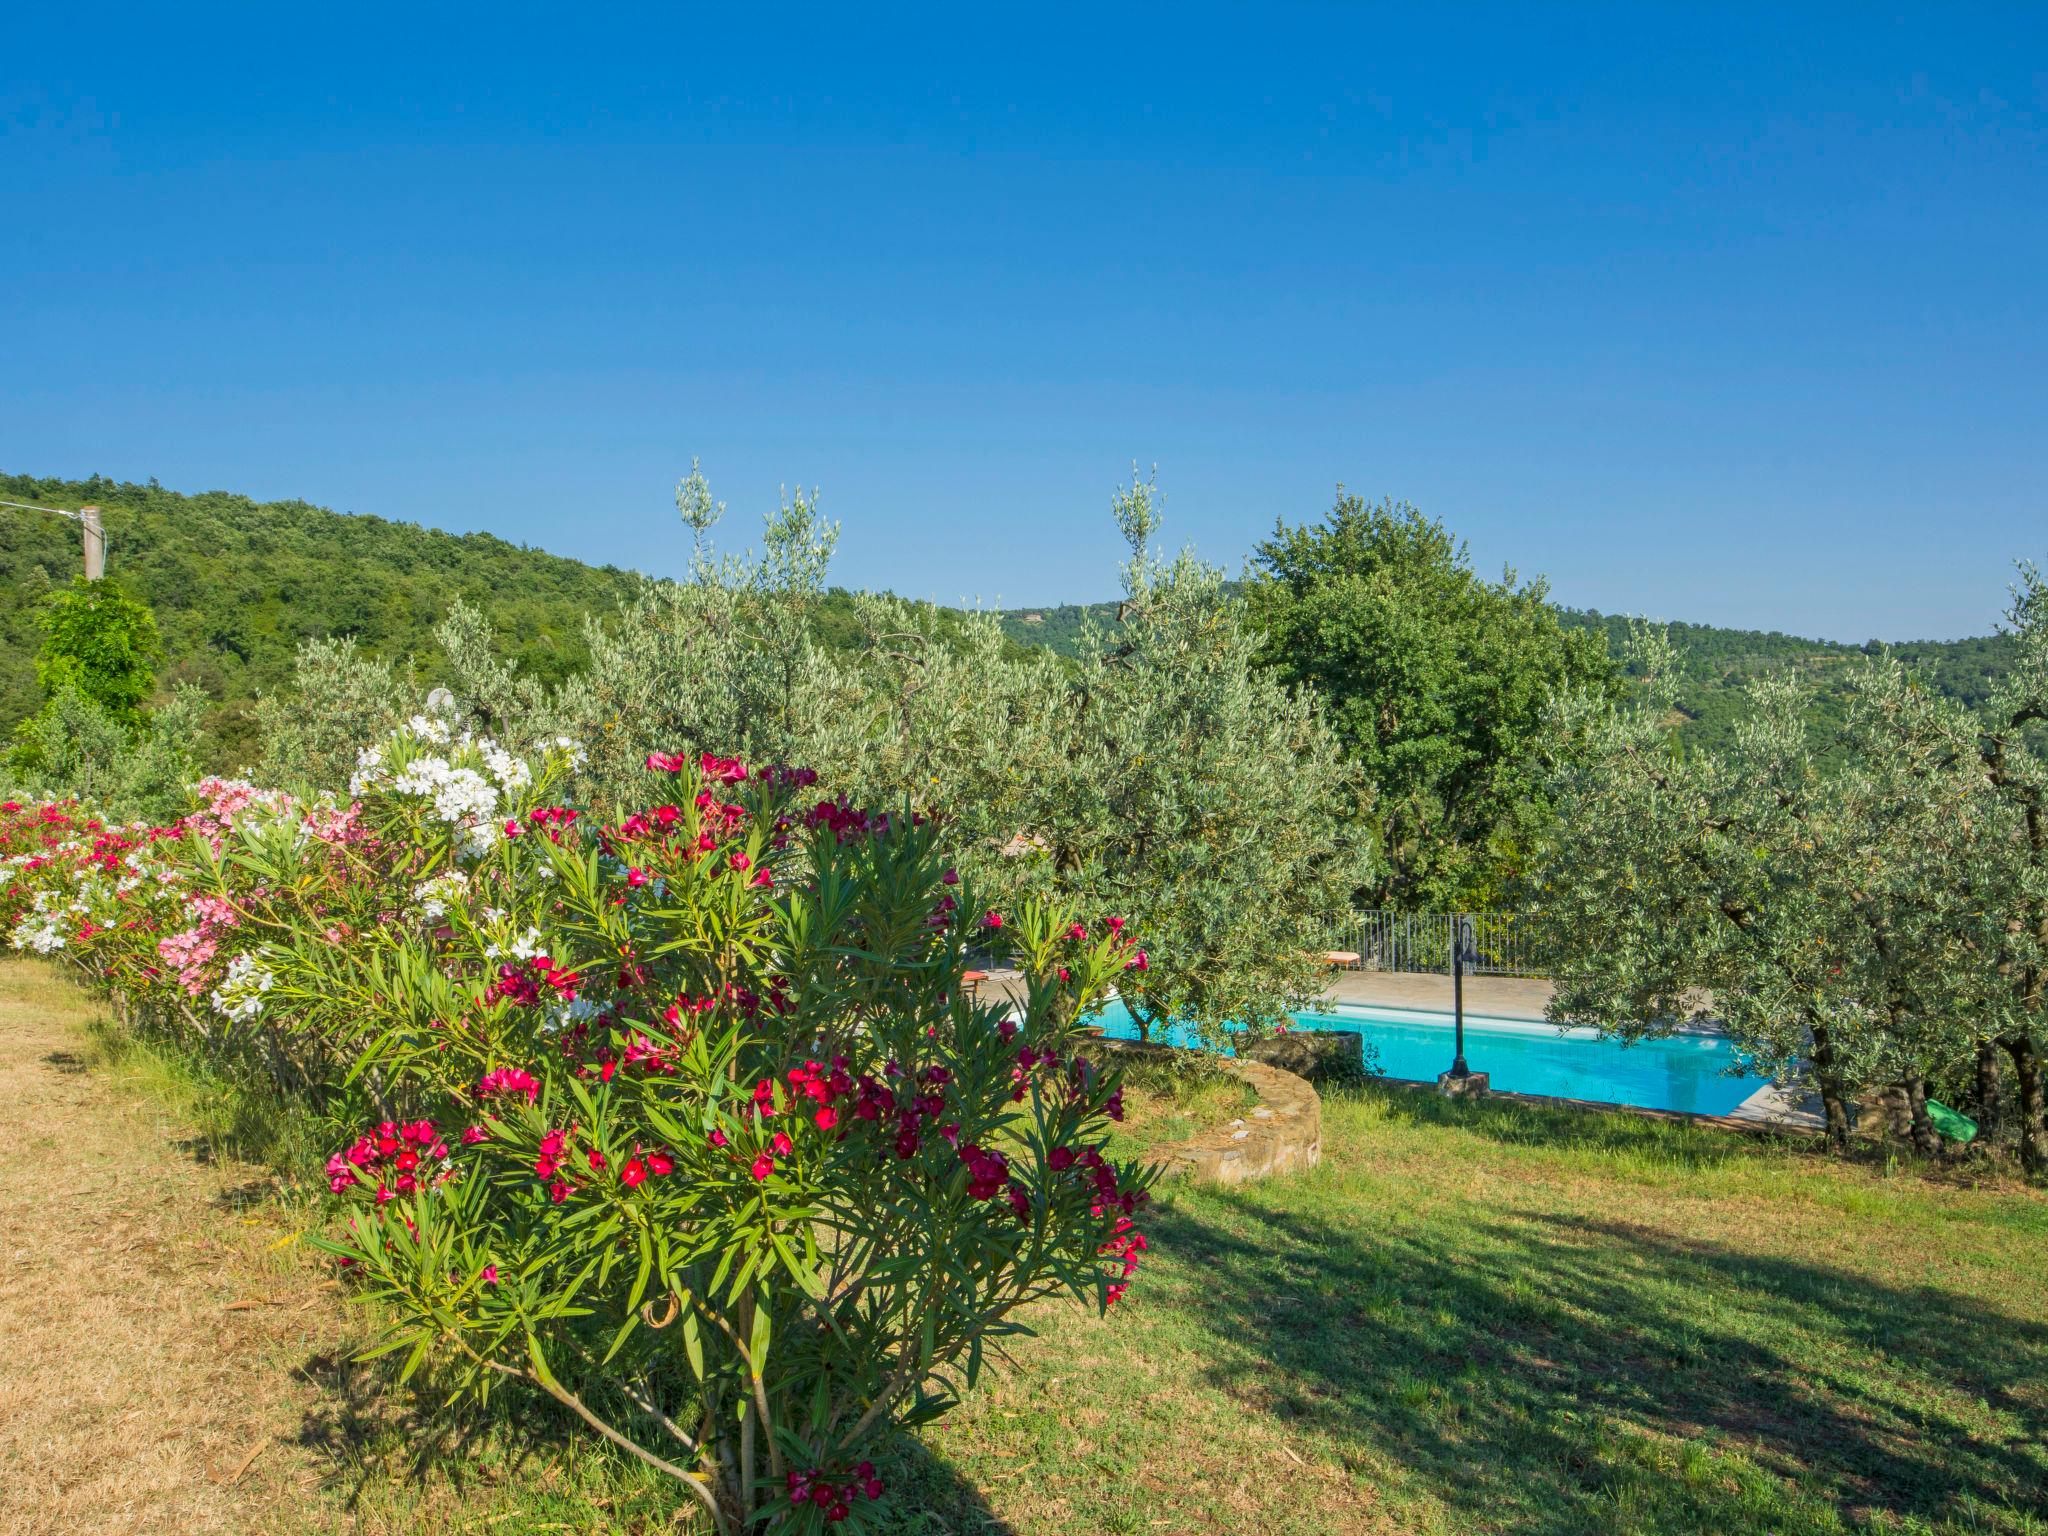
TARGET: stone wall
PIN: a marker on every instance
(1282, 1132)
(1321, 1056)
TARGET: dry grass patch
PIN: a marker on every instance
(151, 1332)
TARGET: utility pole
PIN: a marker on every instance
(95, 543)
(89, 524)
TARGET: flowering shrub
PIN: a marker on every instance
(690, 1122)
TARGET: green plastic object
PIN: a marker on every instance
(1952, 1125)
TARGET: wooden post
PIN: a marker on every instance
(95, 543)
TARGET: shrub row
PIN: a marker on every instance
(692, 1122)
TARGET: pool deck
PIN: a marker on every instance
(1499, 997)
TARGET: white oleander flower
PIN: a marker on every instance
(437, 895)
(240, 995)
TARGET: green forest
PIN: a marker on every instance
(236, 585)
(1719, 663)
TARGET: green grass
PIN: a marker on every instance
(1492, 1318)
(1470, 1318)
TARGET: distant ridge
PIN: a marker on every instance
(236, 584)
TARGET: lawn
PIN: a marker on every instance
(1493, 1318)
(1471, 1318)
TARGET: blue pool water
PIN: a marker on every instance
(1684, 1072)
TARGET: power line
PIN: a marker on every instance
(23, 506)
(92, 531)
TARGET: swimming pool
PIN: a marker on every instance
(1683, 1072)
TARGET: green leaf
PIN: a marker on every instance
(762, 1333)
(693, 1341)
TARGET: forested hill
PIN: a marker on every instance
(1057, 629)
(1719, 662)
(236, 584)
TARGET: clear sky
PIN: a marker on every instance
(1731, 315)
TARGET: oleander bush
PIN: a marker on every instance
(691, 1121)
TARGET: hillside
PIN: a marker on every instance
(236, 584)
(1719, 661)
(1057, 629)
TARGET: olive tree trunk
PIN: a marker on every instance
(2033, 1113)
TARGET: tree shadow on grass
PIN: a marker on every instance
(368, 1431)
(1551, 1375)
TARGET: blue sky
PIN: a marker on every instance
(1737, 316)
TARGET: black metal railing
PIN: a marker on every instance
(1503, 943)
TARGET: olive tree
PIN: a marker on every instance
(1165, 776)
(1836, 907)
(1198, 794)
(2005, 740)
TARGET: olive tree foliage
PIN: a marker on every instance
(1198, 793)
(1842, 909)
(1931, 888)
(75, 748)
(1164, 775)
(2007, 744)
(340, 697)
(724, 661)
(925, 707)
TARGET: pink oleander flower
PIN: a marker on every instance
(507, 1080)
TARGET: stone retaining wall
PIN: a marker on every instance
(1322, 1056)
(1281, 1133)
